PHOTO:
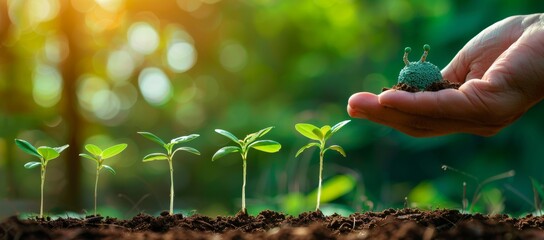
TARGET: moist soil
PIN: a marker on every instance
(435, 86)
(388, 224)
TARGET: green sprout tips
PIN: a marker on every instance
(45, 154)
(420, 74)
(320, 135)
(169, 155)
(98, 156)
(243, 146)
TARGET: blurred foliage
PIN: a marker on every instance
(98, 71)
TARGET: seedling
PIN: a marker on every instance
(250, 141)
(481, 184)
(98, 156)
(169, 155)
(45, 154)
(320, 135)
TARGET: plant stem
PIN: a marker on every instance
(171, 186)
(41, 188)
(96, 188)
(244, 165)
(321, 153)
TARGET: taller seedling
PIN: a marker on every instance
(250, 141)
(169, 155)
(320, 135)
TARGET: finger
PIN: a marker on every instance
(367, 106)
(463, 104)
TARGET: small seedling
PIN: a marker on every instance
(481, 184)
(250, 141)
(321, 135)
(419, 74)
(98, 156)
(45, 154)
(169, 155)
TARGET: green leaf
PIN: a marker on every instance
(93, 149)
(309, 145)
(153, 138)
(318, 133)
(109, 169)
(253, 136)
(326, 131)
(61, 148)
(30, 165)
(113, 150)
(155, 156)
(337, 127)
(268, 146)
(48, 153)
(224, 151)
(187, 149)
(264, 131)
(538, 187)
(334, 188)
(84, 155)
(169, 147)
(336, 148)
(184, 138)
(228, 135)
(307, 130)
(27, 147)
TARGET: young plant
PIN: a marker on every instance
(98, 156)
(481, 184)
(45, 154)
(169, 155)
(320, 135)
(250, 141)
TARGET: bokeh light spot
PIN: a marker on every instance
(120, 66)
(42, 10)
(155, 86)
(143, 38)
(56, 48)
(105, 104)
(86, 89)
(233, 57)
(110, 5)
(181, 56)
(47, 86)
(189, 5)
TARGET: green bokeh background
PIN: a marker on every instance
(249, 64)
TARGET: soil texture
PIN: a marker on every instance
(434, 87)
(388, 224)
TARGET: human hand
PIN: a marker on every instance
(502, 71)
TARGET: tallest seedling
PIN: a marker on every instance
(169, 155)
(45, 154)
(321, 135)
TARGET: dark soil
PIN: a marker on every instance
(436, 86)
(389, 224)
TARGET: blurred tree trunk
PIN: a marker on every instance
(8, 90)
(71, 23)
